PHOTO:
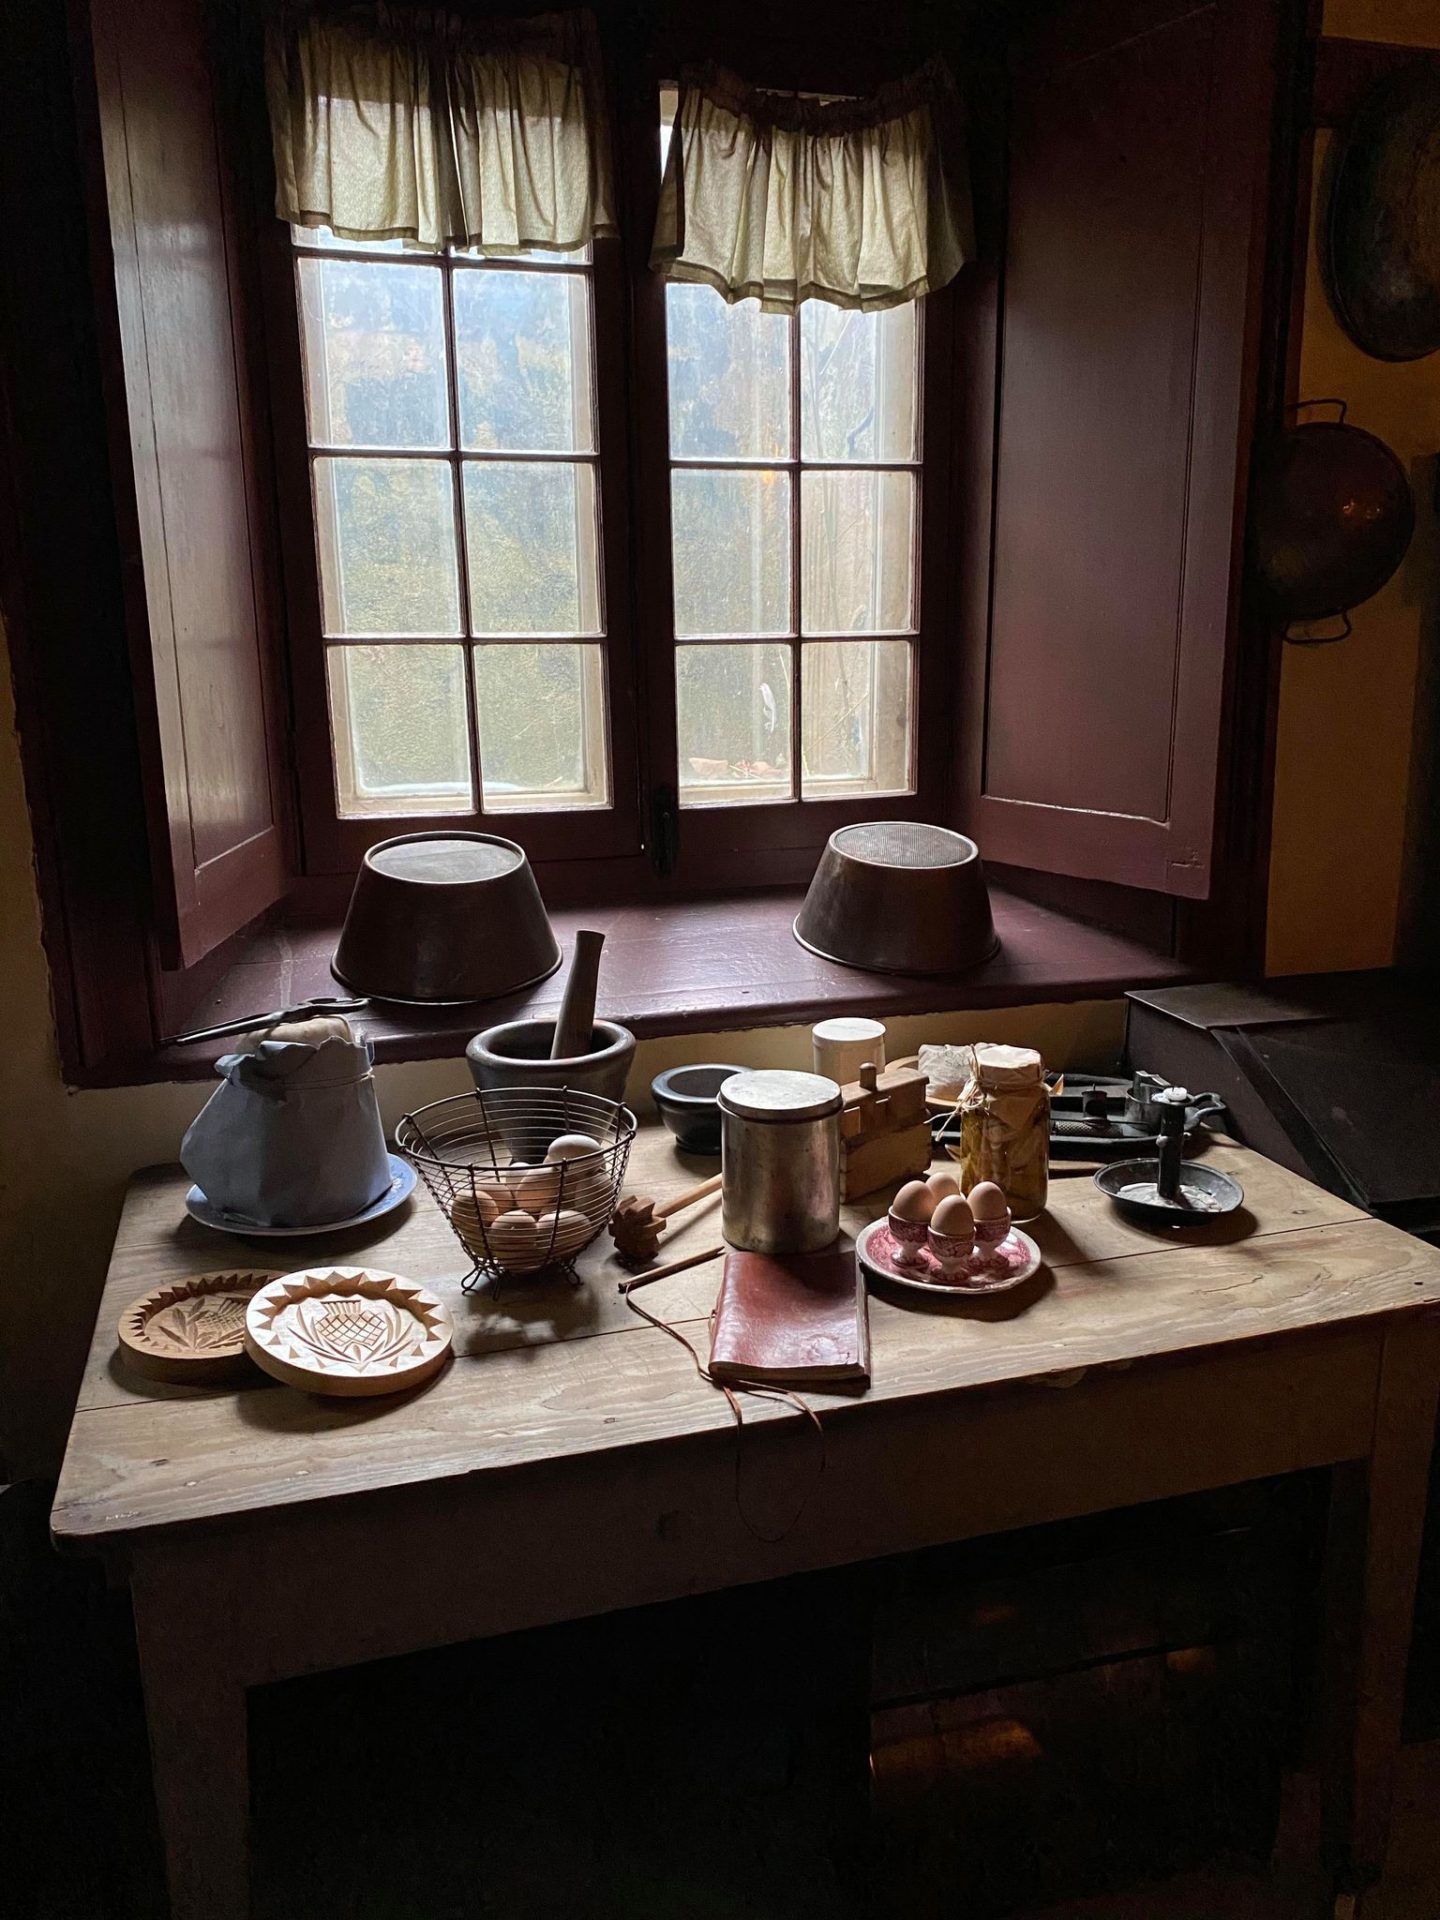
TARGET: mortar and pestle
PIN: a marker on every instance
(573, 1050)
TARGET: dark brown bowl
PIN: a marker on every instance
(445, 917)
(898, 896)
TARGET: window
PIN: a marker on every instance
(453, 453)
(793, 512)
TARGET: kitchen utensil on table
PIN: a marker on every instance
(192, 1332)
(318, 1003)
(1010, 1264)
(1380, 238)
(780, 1161)
(637, 1223)
(1170, 1191)
(686, 1100)
(671, 1266)
(1331, 518)
(839, 1048)
(528, 1177)
(884, 1130)
(1097, 1116)
(576, 1017)
(899, 896)
(206, 1214)
(347, 1331)
(517, 1053)
(444, 918)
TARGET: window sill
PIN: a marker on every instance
(696, 966)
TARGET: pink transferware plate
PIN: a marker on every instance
(994, 1271)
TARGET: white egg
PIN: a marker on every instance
(571, 1146)
(536, 1191)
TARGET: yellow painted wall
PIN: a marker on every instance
(1343, 756)
(65, 1155)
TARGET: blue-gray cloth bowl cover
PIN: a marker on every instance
(292, 1137)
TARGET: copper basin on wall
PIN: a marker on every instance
(899, 896)
(445, 917)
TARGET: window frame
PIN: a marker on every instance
(643, 839)
(334, 845)
(772, 841)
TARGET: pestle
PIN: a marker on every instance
(576, 1020)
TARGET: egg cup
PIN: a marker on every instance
(952, 1251)
(910, 1237)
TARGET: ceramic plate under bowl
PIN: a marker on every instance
(1011, 1264)
(192, 1332)
(402, 1185)
(347, 1331)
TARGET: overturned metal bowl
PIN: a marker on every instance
(899, 896)
(445, 918)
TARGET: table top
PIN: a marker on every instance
(547, 1370)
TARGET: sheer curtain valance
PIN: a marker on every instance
(780, 198)
(414, 123)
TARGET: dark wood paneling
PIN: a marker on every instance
(1138, 185)
(184, 460)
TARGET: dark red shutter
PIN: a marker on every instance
(1124, 392)
(189, 495)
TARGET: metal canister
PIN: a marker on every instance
(780, 1157)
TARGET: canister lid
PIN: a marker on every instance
(776, 1093)
(848, 1028)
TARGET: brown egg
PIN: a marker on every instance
(953, 1218)
(987, 1202)
(514, 1242)
(914, 1202)
(942, 1185)
(559, 1234)
(535, 1192)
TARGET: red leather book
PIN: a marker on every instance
(791, 1320)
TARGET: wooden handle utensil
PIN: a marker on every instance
(673, 1266)
(638, 1222)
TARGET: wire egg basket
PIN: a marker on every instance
(485, 1158)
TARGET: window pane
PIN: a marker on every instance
(729, 377)
(522, 351)
(374, 354)
(856, 551)
(542, 727)
(732, 717)
(855, 718)
(386, 532)
(401, 739)
(533, 550)
(731, 536)
(857, 383)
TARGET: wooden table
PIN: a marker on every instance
(570, 1461)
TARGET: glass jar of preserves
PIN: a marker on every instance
(1004, 1127)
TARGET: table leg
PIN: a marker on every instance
(195, 1713)
(1377, 1519)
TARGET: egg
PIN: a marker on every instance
(991, 1211)
(571, 1146)
(953, 1219)
(514, 1242)
(563, 1233)
(913, 1203)
(588, 1191)
(471, 1215)
(536, 1190)
(942, 1185)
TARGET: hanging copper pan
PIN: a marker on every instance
(1331, 516)
(1381, 234)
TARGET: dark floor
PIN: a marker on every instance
(978, 1732)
